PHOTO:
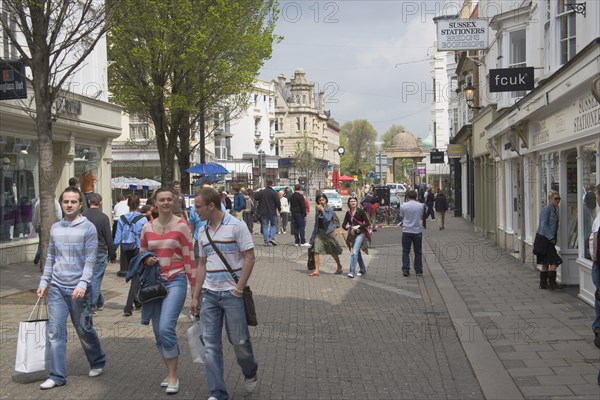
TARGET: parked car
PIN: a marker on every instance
(397, 188)
(334, 200)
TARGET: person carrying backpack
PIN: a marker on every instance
(129, 230)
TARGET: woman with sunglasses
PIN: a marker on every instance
(323, 238)
(548, 229)
(356, 223)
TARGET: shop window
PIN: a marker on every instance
(590, 206)
(18, 163)
(572, 200)
(549, 178)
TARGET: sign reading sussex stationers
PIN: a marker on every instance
(13, 83)
(462, 34)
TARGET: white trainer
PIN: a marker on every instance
(48, 384)
(250, 384)
(94, 372)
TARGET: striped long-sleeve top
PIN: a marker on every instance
(71, 254)
(174, 249)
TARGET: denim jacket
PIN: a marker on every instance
(327, 216)
(548, 223)
(136, 268)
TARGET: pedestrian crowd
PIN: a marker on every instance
(209, 248)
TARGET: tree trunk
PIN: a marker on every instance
(48, 171)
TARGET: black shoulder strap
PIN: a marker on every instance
(136, 219)
(214, 246)
(124, 219)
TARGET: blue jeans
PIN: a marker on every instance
(356, 256)
(164, 318)
(409, 239)
(596, 280)
(268, 233)
(299, 228)
(60, 306)
(101, 263)
(216, 308)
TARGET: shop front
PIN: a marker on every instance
(550, 140)
(82, 136)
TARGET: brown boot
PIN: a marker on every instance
(543, 279)
(552, 284)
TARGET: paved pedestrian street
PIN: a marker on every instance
(474, 326)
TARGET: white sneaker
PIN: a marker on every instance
(95, 372)
(48, 384)
(212, 398)
(297, 245)
(305, 245)
(350, 275)
(250, 384)
(359, 274)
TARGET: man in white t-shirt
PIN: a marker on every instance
(121, 208)
(412, 233)
(222, 295)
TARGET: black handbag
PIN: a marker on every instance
(540, 245)
(311, 259)
(247, 294)
(152, 292)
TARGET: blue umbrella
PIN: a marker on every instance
(207, 168)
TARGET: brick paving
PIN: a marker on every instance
(475, 326)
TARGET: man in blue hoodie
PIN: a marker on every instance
(70, 266)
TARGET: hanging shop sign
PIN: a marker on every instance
(13, 82)
(462, 34)
(511, 79)
(456, 150)
(436, 157)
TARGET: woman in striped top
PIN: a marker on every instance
(169, 237)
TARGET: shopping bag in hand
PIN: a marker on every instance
(33, 350)
(194, 335)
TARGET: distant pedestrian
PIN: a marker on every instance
(268, 205)
(248, 214)
(128, 235)
(285, 212)
(429, 202)
(70, 267)
(323, 236)
(441, 206)
(179, 204)
(299, 211)
(106, 250)
(548, 229)
(412, 233)
(218, 297)
(239, 203)
(119, 209)
(356, 223)
(226, 201)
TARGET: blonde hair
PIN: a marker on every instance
(552, 193)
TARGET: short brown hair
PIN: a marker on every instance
(210, 195)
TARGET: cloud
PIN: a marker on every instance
(372, 58)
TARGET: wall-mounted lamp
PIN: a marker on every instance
(24, 150)
(469, 92)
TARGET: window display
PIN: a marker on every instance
(17, 187)
(590, 207)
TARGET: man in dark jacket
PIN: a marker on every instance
(105, 250)
(268, 205)
(298, 210)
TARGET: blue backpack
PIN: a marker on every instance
(129, 237)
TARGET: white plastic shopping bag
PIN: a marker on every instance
(194, 334)
(33, 352)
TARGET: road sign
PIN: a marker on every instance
(372, 175)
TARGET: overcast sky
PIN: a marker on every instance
(372, 58)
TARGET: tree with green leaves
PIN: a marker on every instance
(358, 138)
(52, 39)
(180, 61)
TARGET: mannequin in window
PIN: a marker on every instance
(86, 181)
